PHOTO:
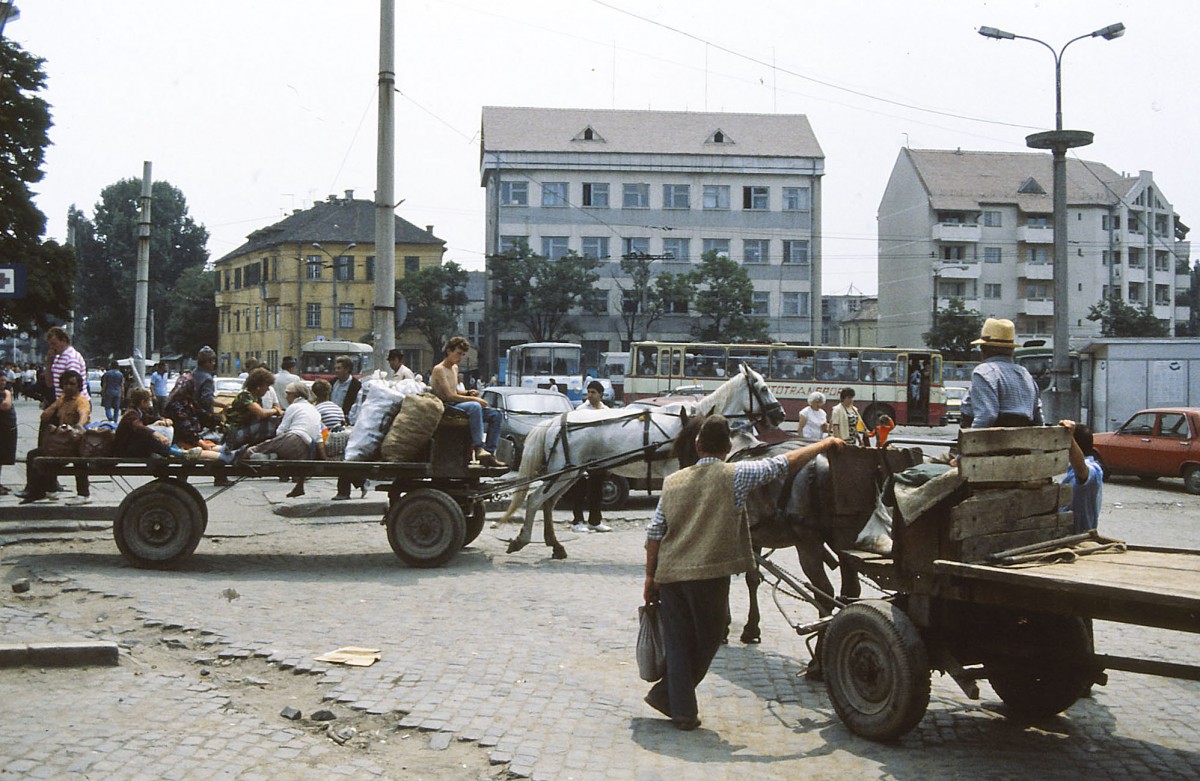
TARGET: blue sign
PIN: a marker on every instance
(12, 281)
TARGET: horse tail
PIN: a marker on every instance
(532, 460)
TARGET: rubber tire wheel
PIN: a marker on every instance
(876, 670)
(426, 528)
(614, 492)
(475, 522)
(1052, 670)
(159, 524)
(1191, 479)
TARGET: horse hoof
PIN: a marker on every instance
(751, 639)
(559, 552)
(516, 545)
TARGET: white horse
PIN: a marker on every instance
(610, 437)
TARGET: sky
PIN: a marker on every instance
(253, 109)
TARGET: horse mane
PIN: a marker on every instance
(719, 398)
(684, 447)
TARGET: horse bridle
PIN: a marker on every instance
(756, 395)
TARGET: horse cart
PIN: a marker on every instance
(435, 507)
(986, 581)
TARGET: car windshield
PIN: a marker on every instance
(538, 403)
(955, 393)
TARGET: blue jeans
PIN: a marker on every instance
(112, 406)
(480, 417)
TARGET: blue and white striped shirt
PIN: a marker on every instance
(747, 475)
(998, 387)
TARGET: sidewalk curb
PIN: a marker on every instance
(77, 654)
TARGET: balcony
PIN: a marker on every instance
(1036, 307)
(956, 231)
(1026, 270)
(269, 290)
(1183, 313)
(943, 302)
(1035, 234)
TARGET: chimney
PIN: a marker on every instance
(333, 198)
(349, 195)
(429, 229)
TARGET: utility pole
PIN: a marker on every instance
(142, 288)
(383, 320)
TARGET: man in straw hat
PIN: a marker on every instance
(1003, 393)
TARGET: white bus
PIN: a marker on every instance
(540, 364)
(317, 357)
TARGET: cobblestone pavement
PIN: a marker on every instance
(523, 662)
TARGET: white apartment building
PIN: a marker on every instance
(979, 226)
(671, 185)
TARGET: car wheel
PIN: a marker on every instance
(1191, 479)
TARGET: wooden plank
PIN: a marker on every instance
(1013, 468)
(964, 528)
(998, 505)
(984, 441)
(977, 548)
(854, 471)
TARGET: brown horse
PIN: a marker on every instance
(826, 503)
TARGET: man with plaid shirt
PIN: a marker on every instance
(1003, 393)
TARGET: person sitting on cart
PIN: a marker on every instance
(332, 418)
(345, 385)
(248, 421)
(136, 439)
(298, 437)
(1086, 478)
(71, 408)
(588, 490)
(700, 536)
(443, 381)
(1003, 393)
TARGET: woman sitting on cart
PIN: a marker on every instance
(135, 438)
(247, 421)
(190, 404)
(298, 437)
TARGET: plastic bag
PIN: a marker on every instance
(876, 536)
(651, 645)
(378, 402)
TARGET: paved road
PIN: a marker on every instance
(521, 664)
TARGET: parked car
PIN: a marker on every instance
(1155, 443)
(93, 382)
(524, 408)
(954, 400)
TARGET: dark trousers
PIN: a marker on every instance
(587, 493)
(39, 482)
(694, 614)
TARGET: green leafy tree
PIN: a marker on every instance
(1118, 318)
(724, 302)
(954, 330)
(647, 298)
(106, 246)
(536, 293)
(24, 127)
(436, 296)
(192, 324)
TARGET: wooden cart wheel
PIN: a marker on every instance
(159, 524)
(475, 522)
(876, 670)
(426, 528)
(1044, 663)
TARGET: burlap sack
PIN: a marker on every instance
(61, 441)
(412, 428)
(97, 443)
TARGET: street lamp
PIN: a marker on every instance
(937, 279)
(1064, 404)
(333, 265)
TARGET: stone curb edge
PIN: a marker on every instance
(75, 654)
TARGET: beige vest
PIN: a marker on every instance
(707, 536)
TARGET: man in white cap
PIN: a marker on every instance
(1003, 393)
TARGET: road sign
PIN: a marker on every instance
(12, 281)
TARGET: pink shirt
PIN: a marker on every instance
(69, 359)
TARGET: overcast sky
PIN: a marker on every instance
(255, 108)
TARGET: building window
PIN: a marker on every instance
(719, 246)
(345, 315)
(678, 306)
(412, 264)
(1037, 291)
(716, 196)
(312, 315)
(760, 303)
(795, 304)
(554, 247)
(677, 249)
(512, 243)
(991, 255)
(237, 278)
(1136, 259)
(635, 247)
(635, 196)
(257, 319)
(1107, 222)
(595, 194)
(991, 219)
(755, 250)
(252, 275)
(795, 251)
(343, 268)
(1135, 292)
(756, 198)
(237, 320)
(958, 253)
(1161, 262)
(514, 193)
(596, 302)
(796, 199)
(1160, 224)
(227, 275)
(991, 290)
(595, 247)
(630, 305)
(1038, 256)
(677, 196)
(1162, 295)
(554, 193)
(370, 267)
(1040, 221)
(312, 267)
(1133, 223)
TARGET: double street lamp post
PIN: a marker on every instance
(333, 264)
(1063, 400)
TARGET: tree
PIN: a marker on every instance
(954, 330)
(192, 324)
(647, 298)
(436, 296)
(537, 293)
(24, 127)
(107, 250)
(1118, 318)
(726, 301)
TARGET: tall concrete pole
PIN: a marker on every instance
(142, 288)
(383, 322)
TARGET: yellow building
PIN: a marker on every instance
(312, 276)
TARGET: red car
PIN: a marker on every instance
(1155, 443)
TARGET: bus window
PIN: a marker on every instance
(757, 358)
(670, 362)
(566, 362)
(645, 363)
(705, 362)
(788, 364)
(536, 361)
(837, 366)
(879, 368)
(936, 379)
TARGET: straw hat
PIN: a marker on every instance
(998, 333)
